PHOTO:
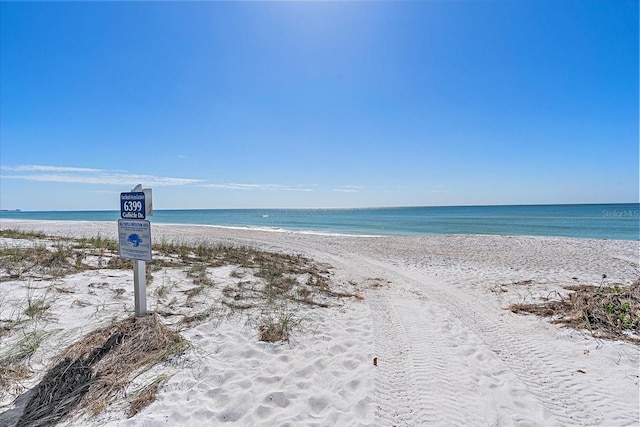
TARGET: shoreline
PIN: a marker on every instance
(58, 224)
(434, 313)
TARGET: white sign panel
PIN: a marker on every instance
(135, 239)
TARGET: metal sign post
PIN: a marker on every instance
(140, 287)
(134, 234)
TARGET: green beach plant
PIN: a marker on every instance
(37, 305)
(24, 348)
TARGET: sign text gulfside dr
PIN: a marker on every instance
(132, 205)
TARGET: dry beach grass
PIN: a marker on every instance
(606, 311)
(92, 372)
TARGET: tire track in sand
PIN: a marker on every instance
(413, 384)
(391, 379)
(535, 366)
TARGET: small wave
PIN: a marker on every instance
(269, 229)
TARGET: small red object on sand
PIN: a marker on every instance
(375, 361)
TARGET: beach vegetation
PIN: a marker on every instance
(24, 348)
(92, 372)
(610, 312)
(37, 303)
(97, 242)
(117, 263)
(194, 292)
(268, 290)
(14, 233)
(38, 260)
(14, 361)
(198, 273)
(163, 290)
(37, 307)
(199, 317)
(278, 326)
(145, 395)
(11, 377)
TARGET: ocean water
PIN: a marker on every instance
(600, 221)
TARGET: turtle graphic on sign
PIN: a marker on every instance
(134, 239)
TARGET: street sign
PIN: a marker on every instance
(134, 236)
(135, 239)
(132, 205)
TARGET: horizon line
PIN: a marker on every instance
(18, 210)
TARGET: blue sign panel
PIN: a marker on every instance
(132, 205)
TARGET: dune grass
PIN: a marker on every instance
(266, 289)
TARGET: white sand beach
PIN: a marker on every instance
(434, 313)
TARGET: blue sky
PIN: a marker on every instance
(318, 104)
